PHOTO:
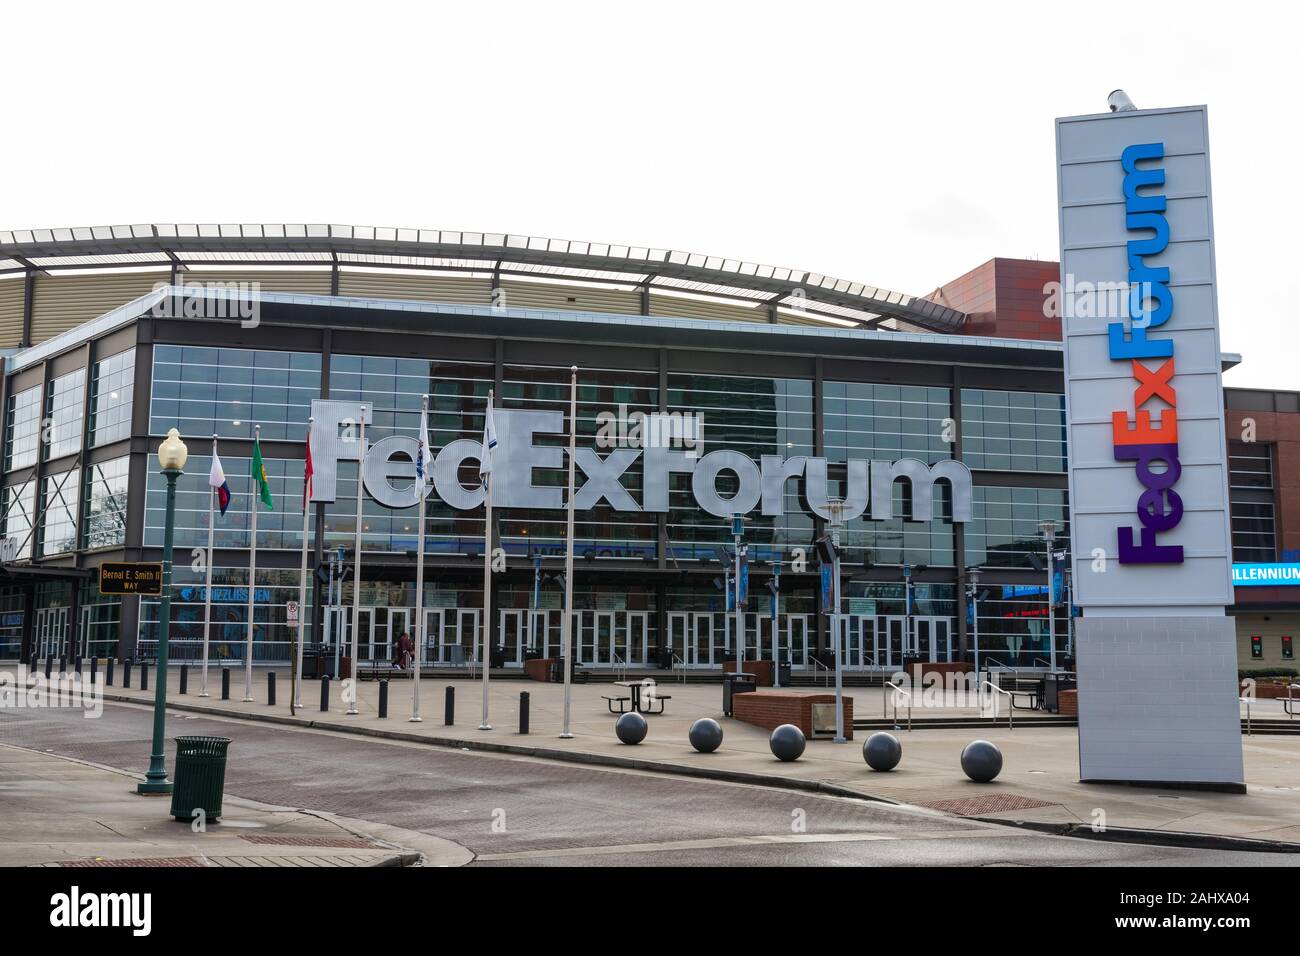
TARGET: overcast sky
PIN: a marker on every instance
(895, 144)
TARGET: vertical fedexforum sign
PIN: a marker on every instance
(1148, 474)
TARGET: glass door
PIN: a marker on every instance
(699, 649)
(511, 635)
(793, 638)
(766, 626)
(429, 643)
(638, 638)
(893, 630)
(679, 630)
(399, 623)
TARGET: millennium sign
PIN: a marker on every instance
(761, 484)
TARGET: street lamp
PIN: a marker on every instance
(1048, 528)
(171, 456)
(973, 595)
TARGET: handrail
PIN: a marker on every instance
(1288, 702)
(1246, 701)
(1010, 704)
(620, 665)
(822, 667)
(897, 690)
(676, 662)
(1042, 660)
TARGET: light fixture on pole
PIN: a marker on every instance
(566, 613)
(737, 532)
(171, 456)
(973, 595)
(835, 506)
(1048, 529)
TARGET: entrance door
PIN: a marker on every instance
(51, 630)
(930, 638)
(893, 640)
(766, 628)
(637, 638)
(512, 634)
(699, 647)
(794, 639)
(399, 623)
(430, 642)
(858, 632)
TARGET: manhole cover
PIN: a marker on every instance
(333, 843)
(993, 803)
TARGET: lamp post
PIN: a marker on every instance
(836, 508)
(973, 595)
(1048, 528)
(737, 532)
(171, 456)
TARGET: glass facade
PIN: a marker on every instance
(888, 422)
(23, 428)
(1250, 502)
(12, 604)
(225, 392)
(1005, 531)
(1013, 431)
(65, 409)
(59, 494)
(457, 405)
(104, 499)
(111, 398)
(19, 507)
(755, 416)
(280, 528)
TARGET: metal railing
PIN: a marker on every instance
(1288, 702)
(821, 667)
(1010, 703)
(1041, 660)
(620, 666)
(1247, 702)
(679, 665)
(887, 697)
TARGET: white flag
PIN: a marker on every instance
(423, 460)
(489, 445)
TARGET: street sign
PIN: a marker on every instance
(118, 577)
(291, 612)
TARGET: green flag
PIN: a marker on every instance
(259, 475)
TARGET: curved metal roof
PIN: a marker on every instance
(134, 246)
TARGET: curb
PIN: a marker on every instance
(543, 753)
(1170, 838)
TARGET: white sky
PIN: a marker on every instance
(896, 144)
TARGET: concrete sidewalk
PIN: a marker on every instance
(55, 811)
(1039, 783)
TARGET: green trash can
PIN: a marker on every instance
(200, 778)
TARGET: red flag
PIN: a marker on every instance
(307, 475)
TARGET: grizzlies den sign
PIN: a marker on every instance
(760, 484)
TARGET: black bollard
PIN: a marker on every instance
(108, 679)
(49, 662)
(325, 693)
(225, 683)
(144, 675)
(94, 669)
(383, 698)
(523, 711)
(126, 674)
(449, 717)
(185, 678)
(270, 688)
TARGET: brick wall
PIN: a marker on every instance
(771, 709)
(1005, 298)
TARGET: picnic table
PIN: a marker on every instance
(634, 698)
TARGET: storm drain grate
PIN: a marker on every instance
(140, 861)
(993, 803)
(333, 843)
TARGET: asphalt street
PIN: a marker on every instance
(514, 811)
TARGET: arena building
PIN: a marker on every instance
(940, 419)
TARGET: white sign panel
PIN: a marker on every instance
(1144, 393)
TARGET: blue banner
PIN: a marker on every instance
(1265, 575)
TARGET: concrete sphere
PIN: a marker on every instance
(882, 752)
(631, 728)
(705, 735)
(981, 760)
(787, 742)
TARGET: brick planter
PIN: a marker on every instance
(1068, 703)
(539, 669)
(771, 709)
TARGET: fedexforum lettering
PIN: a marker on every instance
(868, 488)
(1159, 507)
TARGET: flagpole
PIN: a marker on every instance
(302, 584)
(356, 576)
(486, 659)
(566, 623)
(252, 577)
(207, 583)
(417, 629)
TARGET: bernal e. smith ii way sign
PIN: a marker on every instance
(1148, 471)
